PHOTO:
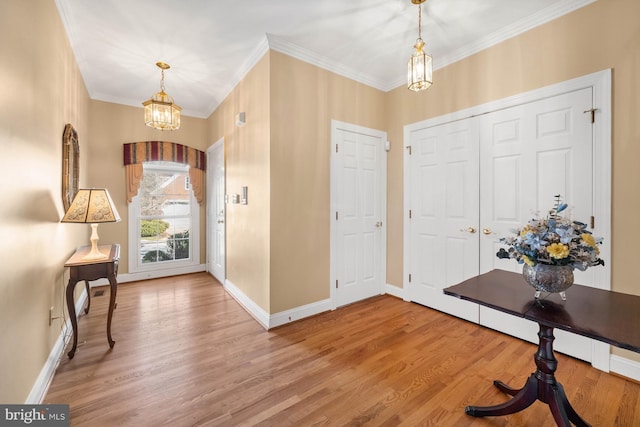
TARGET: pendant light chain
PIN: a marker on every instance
(420, 21)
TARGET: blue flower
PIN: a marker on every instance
(533, 241)
(565, 234)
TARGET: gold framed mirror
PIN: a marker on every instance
(70, 165)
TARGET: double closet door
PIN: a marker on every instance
(474, 180)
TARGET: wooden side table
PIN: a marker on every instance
(607, 316)
(80, 269)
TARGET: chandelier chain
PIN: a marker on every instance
(420, 21)
(162, 81)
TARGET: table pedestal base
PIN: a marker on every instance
(541, 385)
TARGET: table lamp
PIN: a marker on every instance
(92, 206)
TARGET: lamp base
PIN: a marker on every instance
(95, 254)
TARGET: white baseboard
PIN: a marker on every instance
(247, 303)
(298, 313)
(152, 274)
(396, 291)
(269, 321)
(625, 367)
(40, 387)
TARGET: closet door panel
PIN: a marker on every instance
(444, 208)
(529, 154)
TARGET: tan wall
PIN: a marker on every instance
(247, 164)
(110, 126)
(605, 34)
(278, 245)
(304, 100)
(40, 91)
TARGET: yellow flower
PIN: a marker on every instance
(588, 239)
(527, 260)
(558, 250)
(526, 229)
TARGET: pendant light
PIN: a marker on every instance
(419, 68)
(160, 112)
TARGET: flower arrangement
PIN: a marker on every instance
(554, 240)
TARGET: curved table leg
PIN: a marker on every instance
(71, 309)
(112, 303)
(506, 389)
(541, 385)
(86, 285)
(522, 400)
(562, 409)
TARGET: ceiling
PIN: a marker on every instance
(212, 44)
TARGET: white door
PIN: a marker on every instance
(216, 258)
(529, 154)
(444, 247)
(358, 207)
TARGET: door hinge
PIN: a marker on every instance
(593, 114)
(409, 213)
(593, 222)
(409, 277)
(336, 148)
(409, 148)
(336, 215)
(336, 283)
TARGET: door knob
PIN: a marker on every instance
(378, 224)
(221, 221)
(487, 231)
(468, 230)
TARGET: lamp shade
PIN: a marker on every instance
(92, 206)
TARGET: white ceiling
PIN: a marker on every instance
(212, 44)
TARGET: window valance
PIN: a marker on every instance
(137, 153)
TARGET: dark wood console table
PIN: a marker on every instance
(607, 316)
(80, 269)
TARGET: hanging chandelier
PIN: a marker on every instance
(419, 68)
(160, 112)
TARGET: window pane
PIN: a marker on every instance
(165, 209)
(179, 245)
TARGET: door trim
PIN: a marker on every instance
(600, 82)
(335, 127)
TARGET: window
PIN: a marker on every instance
(163, 220)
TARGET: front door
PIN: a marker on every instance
(358, 206)
(216, 259)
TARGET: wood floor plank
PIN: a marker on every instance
(187, 354)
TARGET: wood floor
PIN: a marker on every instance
(187, 354)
